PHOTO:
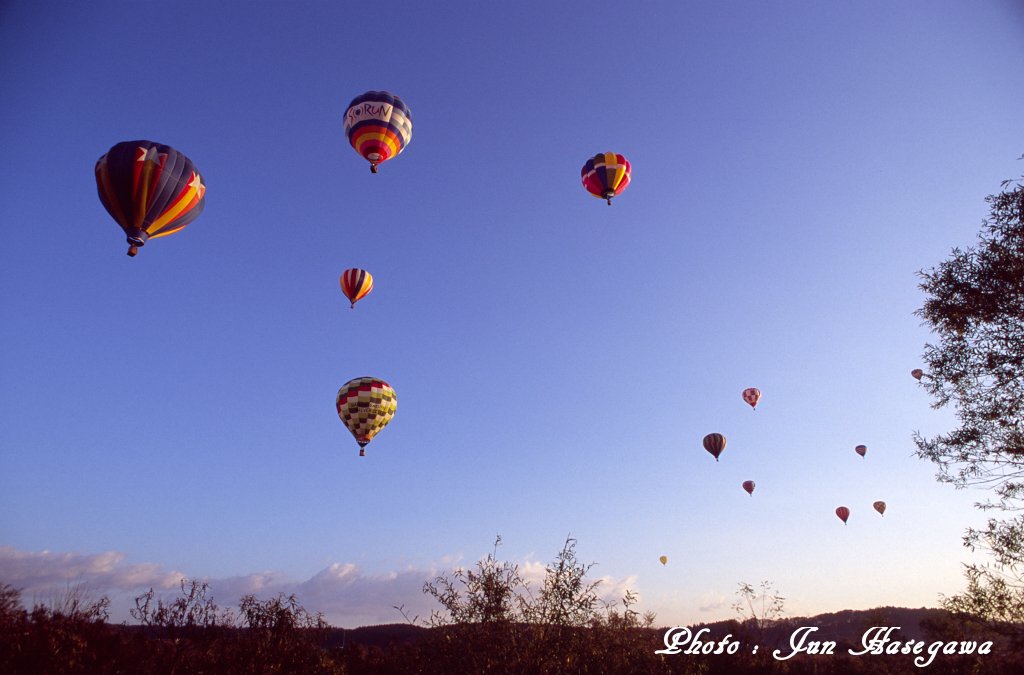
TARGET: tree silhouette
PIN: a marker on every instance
(975, 306)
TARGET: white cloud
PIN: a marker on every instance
(613, 590)
(345, 595)
(41, 572)
(712, 602)
(532, 571)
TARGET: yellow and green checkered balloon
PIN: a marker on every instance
(366, 405)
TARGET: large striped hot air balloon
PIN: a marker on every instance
(714, 443)
(606, 175)
(356, 284)
(366, 405)
(151, 190)
(843, 514)
(378, 125)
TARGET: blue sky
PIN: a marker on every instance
(556, 361)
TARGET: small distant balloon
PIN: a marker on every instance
(861, 450)
(663, 559)
(748, 485)
(843, 513)
(606, 175)
(714, 443)
(917, 374)
(356, 284)
(880, 507)
(752, 395)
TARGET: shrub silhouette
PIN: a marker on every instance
(189, 634)
(490, 621)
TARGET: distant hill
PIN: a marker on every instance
(375, 636)
(845, 628)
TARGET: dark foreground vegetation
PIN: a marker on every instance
(491, 621)
(279, 636)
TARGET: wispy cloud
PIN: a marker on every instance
(712, 602)
(44, 570)
(342, 591)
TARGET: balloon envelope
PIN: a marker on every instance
(843, 513)
(861, 450)
(366, 405)
(606, 175)
(752, 395)
(663, 559)
(356, 284)
(880, 507)
(714, 443)
(150, 189)
(748, 485)
(378, 125)
(917, 374)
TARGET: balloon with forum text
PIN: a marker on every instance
(378, 125)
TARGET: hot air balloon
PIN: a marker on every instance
(714, 443)
(378, 125)
(606, 175)
(356, 284)
(663, 559)
(151, 190)
(748, 485)
(880, 507)
(917, 374)
(366, 405)
(752, 395)
(861, 450)
(843, 513)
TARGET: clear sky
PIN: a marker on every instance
(556, 361)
